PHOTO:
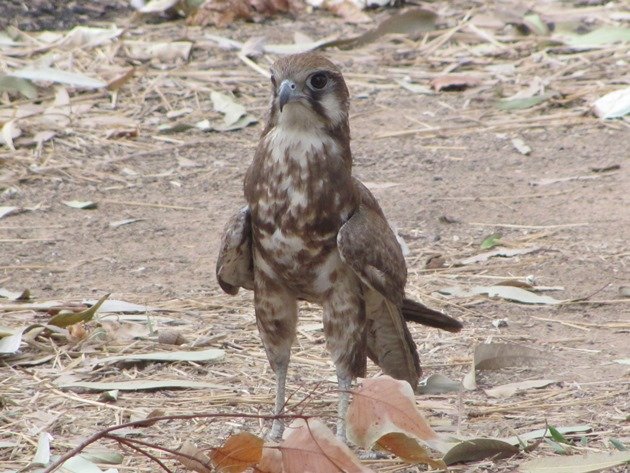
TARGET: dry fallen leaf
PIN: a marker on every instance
(199, 461)
(311, 446)
(454, 82)
(507, 390)
(347, 10)
(240, 451)
(222, 13)
(382, 406)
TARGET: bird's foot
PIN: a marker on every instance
(371, 455)
(277, 429)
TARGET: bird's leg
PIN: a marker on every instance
(344, 327)
(344, 382)
(276, 316)
(277, 427)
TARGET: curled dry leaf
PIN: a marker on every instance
(408, 449)
(222, 13)
(65, 318)
(311, 446)
(271, 460)
(501, 252)
(382, 406)
(454, 82)
(507, 390)
(166, 52)
(193, 458)
(347, 10)
(479, 449)
(240, 451)
(494, 356)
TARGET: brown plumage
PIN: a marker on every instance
(311, 231)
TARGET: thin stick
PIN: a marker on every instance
(147, 204)
(127, 443)
(253, 65)
(143, 423)
(531, 227)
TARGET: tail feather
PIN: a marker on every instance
(389, 342)
(415, 312)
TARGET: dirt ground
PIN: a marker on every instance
(445, 189)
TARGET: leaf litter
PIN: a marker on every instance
(544, 99)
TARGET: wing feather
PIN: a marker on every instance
(369, 246)
(235, 266)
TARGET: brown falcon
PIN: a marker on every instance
(311, 231)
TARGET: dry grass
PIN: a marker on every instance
(118, 128)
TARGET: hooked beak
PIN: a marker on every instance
(288, 93)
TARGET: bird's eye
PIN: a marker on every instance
(318, 81)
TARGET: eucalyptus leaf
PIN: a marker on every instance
(6, 211)
(507, 390)
(438, 384)
(479, 449)
(491, 241)
(80, 204)
(539, 433)
(113, 305)
(15, 295)
(42, 454)
(211, 354)
(19, 85)
(10, 344)
(521, 104)
(65, 319)
(510, 293)
(599, 37)
(143, 385)
(50, 74)
(590, 462)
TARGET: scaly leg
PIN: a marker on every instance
(277, 427)
(344, 383)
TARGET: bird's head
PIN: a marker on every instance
(308, 91)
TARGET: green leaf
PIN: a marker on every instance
(521, 104)
(556, 435)
(18, 85)
(491, 241)
(575, 464)
(618, 444)
(539, 433)
(103, 456)
(556, 447)
(600, 37)
(65, 319)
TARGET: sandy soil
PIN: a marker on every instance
(445, 192)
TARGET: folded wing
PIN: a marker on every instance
(368, 245)
(235, 266)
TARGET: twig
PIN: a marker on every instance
(147, 204)
(143, 423)
(531, 227)
(128, 443)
